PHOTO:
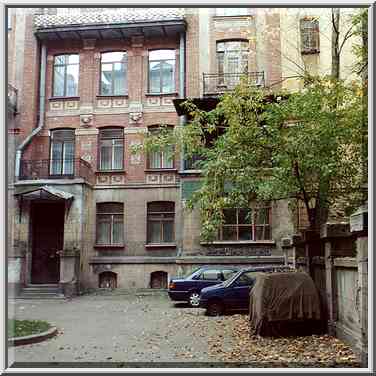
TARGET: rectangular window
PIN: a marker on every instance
(246, 224)
(160, 222)
(62, 152)
(162, 71)
(111, 149)
(113, 73)
(66, 72)
(310, 37)
(110, 224)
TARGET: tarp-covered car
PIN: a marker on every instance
(285, 304)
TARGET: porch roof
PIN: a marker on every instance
(45, 192)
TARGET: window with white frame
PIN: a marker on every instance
(110, 223)
(62, 152)
(113, 73)
(162, 71)
(66, 72)
(160, 222)
(111, 149)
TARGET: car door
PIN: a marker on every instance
(237, 295)
(209, 277)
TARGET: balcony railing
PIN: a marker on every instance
(219, 83)
(56, 169)
(193, 163)
(12, 98)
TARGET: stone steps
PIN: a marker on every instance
(48, 291)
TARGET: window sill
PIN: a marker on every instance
(239, 242)
(190, 172)
(160, 245)
(52, 99)
(160, 94)
(161, 170)
(110, 171)
(100, 96)
(109, 246)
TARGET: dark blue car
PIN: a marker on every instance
(188, 288)
(233, 294)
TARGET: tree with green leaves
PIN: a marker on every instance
(301, 146)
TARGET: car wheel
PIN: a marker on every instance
(194, 299)
(215, 308)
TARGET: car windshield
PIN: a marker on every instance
(191, 273)
(229, 281)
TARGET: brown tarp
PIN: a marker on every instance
(284, 303)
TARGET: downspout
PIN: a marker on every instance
(182, 122)
(42, 97)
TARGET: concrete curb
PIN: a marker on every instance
(33, 338)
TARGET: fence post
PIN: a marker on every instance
(359, 227)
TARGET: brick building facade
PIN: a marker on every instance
(88, 212)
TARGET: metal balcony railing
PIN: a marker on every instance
(56, 169)
(219, 83)
(12, 98)
(193, 163)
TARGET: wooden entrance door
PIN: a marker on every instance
(48, 236)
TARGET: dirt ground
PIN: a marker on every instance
(148, 330)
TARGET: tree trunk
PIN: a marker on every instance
(335, 43)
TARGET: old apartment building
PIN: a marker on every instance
(84, 210)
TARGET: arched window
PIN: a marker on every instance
(160, 222)
(110, 223)
(161, 71)
(62, 152)
(111, 149)
(108, 280)
(113, 73)
(66, 72)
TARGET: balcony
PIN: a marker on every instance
(12, 98)
(56, 169)
(219, 83)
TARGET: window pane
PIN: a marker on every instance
(113, 57)
(154, 230)
(263, 232)
(72, 80)
(119, 78)
(229, 233)
(104, 229)
(60, 60)
(168, 77)
(56, 156)
(73, 59)
(118, 157)
(154, 77)
(262, 216)
(68, 158)
(168, 159)
(161, 206)
(162, 55)
(106, 79)
(105, 157)
(110, 207)
(168, 231)
(59, 81)
(155, 159)
(245, 233)
(118, 232)
(230, 216)
(245, 216)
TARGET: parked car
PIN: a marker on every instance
(233, 294)
(188, 288)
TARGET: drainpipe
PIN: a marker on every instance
(42, 97)
(183, 120)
